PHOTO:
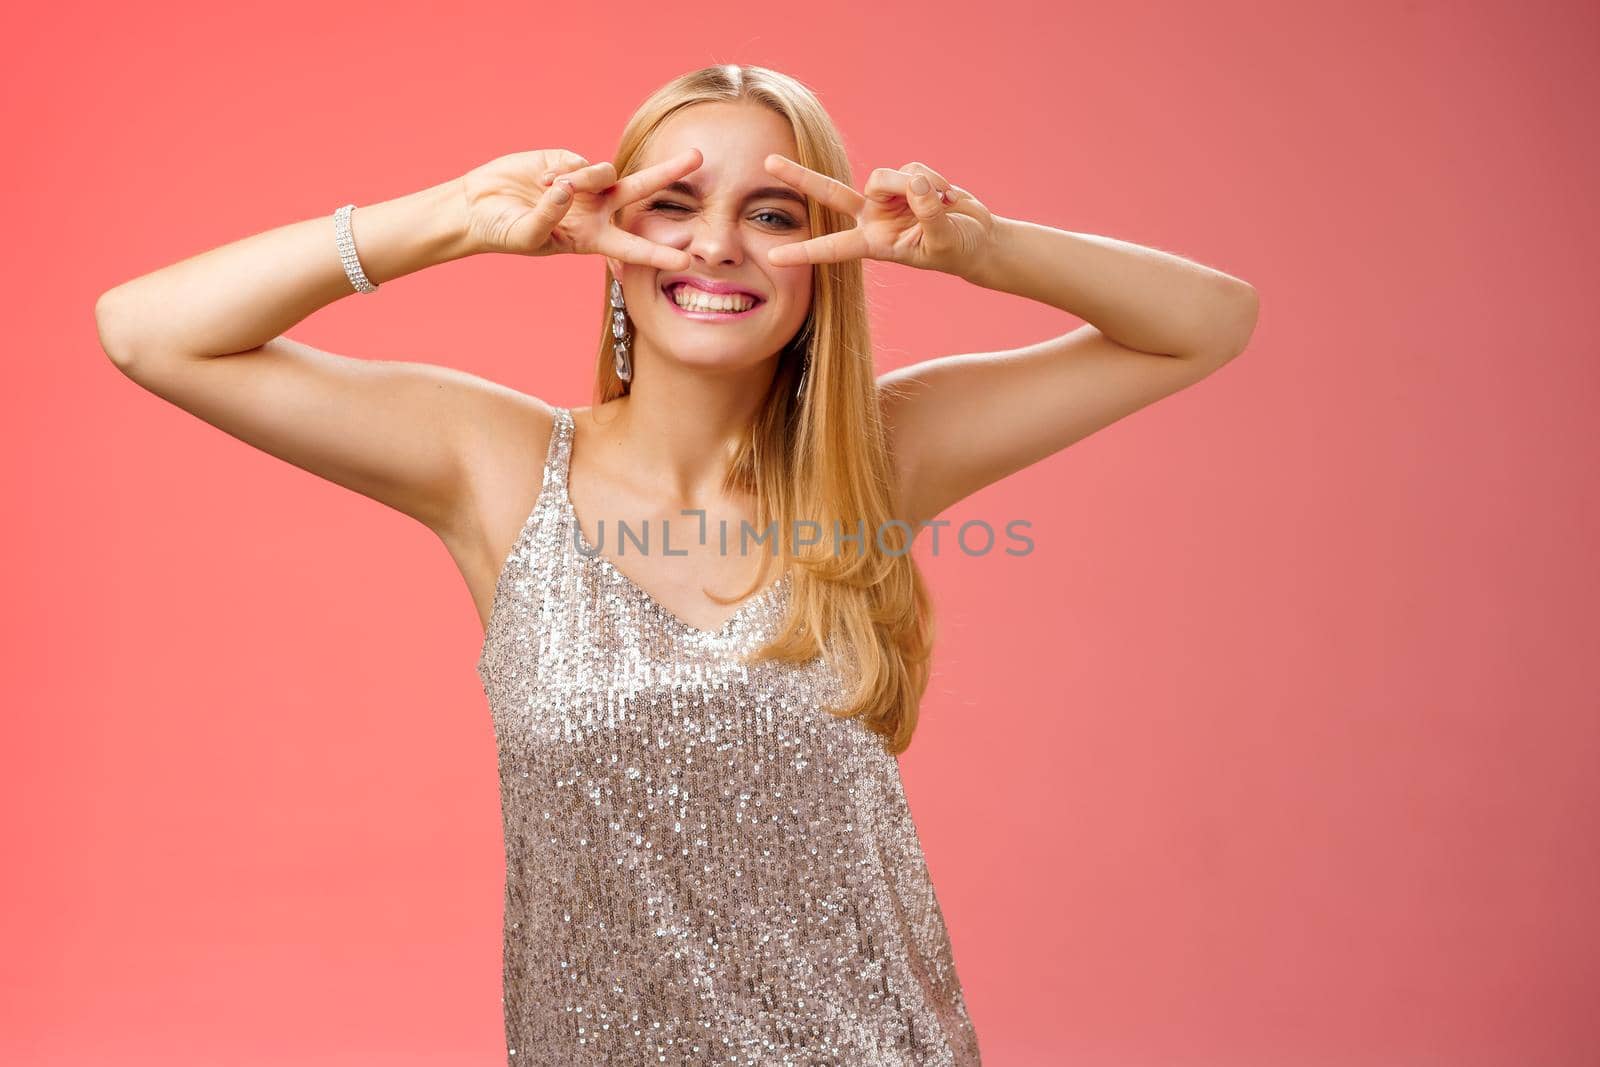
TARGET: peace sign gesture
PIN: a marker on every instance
(552, 201)
(912, 215)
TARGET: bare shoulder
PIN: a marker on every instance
(508, 422)
(504, 456)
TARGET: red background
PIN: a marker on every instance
(1280, 748)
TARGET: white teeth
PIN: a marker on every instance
(687, 296)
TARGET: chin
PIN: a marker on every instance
(702, 353)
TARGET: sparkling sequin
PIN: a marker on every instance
(702, 865)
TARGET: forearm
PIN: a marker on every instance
(241, 295)
(1140, 297)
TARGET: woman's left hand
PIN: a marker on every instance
(942, 227)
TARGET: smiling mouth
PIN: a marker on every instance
(711, 307)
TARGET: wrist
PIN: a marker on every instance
(449, 236)
(414, 231)
(983, 267)
(409, 233)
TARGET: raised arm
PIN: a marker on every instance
(1155, 324)
(207, 333)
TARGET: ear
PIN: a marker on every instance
(616, 267)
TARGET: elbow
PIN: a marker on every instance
(111, 325)
(1234, 321)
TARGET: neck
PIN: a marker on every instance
(680, 427)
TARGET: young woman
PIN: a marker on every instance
(709, 858)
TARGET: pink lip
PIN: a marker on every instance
(720, 288)
(709, 316)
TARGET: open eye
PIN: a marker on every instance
(782, 221)
(773, 218)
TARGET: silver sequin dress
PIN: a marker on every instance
(702, 865)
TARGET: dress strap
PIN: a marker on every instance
(559, 457)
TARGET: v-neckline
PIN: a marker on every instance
(595, 557)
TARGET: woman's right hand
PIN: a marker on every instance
(516, 204)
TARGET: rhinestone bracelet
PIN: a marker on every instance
(347, 251)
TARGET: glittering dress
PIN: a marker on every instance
(702, 865)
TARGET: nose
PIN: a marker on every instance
(715, 238)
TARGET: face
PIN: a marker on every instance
(728, 218)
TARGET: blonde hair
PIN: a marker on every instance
(823, 455)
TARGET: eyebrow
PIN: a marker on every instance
(767, 192)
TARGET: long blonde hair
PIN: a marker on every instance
(821, 456)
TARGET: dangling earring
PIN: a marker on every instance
(620, 333)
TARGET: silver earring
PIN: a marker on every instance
(620, 333)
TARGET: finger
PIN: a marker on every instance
(929, 206)
(957, 201)
(938, 186)
(642, 183)
(952, 191)
(595, 178)
(960, 202)
(829, 248)
(939, 180)
(631, 248)
(570, 161)
(886, 183)
(533, 228)
(819, 187)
